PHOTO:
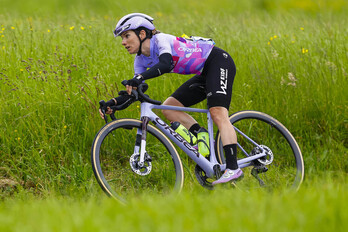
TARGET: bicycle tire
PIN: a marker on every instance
(112, 166)
(287, 169)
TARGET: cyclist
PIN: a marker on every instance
(158, 53)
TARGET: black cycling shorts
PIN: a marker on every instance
(217, 78)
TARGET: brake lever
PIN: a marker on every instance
(102, 104)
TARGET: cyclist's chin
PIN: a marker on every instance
(132, 51)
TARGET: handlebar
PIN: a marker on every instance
(140, 90)
(136, 95)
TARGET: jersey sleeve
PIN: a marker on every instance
(163, 44)
(138, 66)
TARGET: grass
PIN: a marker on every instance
(224, 209)
(58, 59)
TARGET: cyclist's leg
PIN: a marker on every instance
(185, 119)
(221, 119)
(219, 73)
(184, 96)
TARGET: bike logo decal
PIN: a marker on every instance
(177, 136)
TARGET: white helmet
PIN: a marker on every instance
(133, 21)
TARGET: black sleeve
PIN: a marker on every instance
(163, 66)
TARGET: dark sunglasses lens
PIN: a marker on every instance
(116, 32)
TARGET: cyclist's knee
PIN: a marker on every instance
(219, 115)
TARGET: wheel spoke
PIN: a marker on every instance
(283, 161)
(119, 172)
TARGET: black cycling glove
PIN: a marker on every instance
(136, 81)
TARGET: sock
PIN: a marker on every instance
(194, 129)
(231, 156)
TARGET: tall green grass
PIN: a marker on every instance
(59, 58)
(317, 207)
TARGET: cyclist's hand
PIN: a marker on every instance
(106, 107)
(133, 83)
(108, 111)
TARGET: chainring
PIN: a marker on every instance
(202, 178)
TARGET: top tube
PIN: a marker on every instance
(179, 108)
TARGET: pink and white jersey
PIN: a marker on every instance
(189, 54)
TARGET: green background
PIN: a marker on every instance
(59, 58)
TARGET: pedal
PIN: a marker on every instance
(256, 171)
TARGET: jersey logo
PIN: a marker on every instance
(223, 81)
(190, 50)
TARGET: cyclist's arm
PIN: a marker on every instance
(163, 66)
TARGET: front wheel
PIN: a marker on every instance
(116, 163)
(283, 166)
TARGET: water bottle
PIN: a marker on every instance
(181, 130)
(203, 142)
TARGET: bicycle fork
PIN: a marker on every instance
(141, 140)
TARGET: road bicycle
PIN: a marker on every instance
(131, 157)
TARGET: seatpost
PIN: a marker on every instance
(211, 138)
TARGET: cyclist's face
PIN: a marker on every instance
(130, 41)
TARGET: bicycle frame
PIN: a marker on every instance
(207, 165)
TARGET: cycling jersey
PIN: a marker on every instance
(189, 54)
(217, 78)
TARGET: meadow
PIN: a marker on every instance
(59, 58)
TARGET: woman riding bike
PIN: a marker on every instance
(158, 53)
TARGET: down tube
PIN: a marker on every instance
(184, 145)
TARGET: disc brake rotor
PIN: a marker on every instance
(265, 160)
(139, 169)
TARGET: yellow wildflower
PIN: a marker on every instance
(301, 28)
(304, 50)
(12, 28)
(275, 36)
(3, 29)
(21, 70)
(271, 38)
(48, 30)
(65, 127)
(18, 138)
(82, 28)
(2, 36)
(72, 28)
(269, 43)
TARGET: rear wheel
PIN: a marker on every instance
(283, 165)
(118, 170)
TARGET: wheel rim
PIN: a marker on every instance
(113, 165)
(286, 170)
